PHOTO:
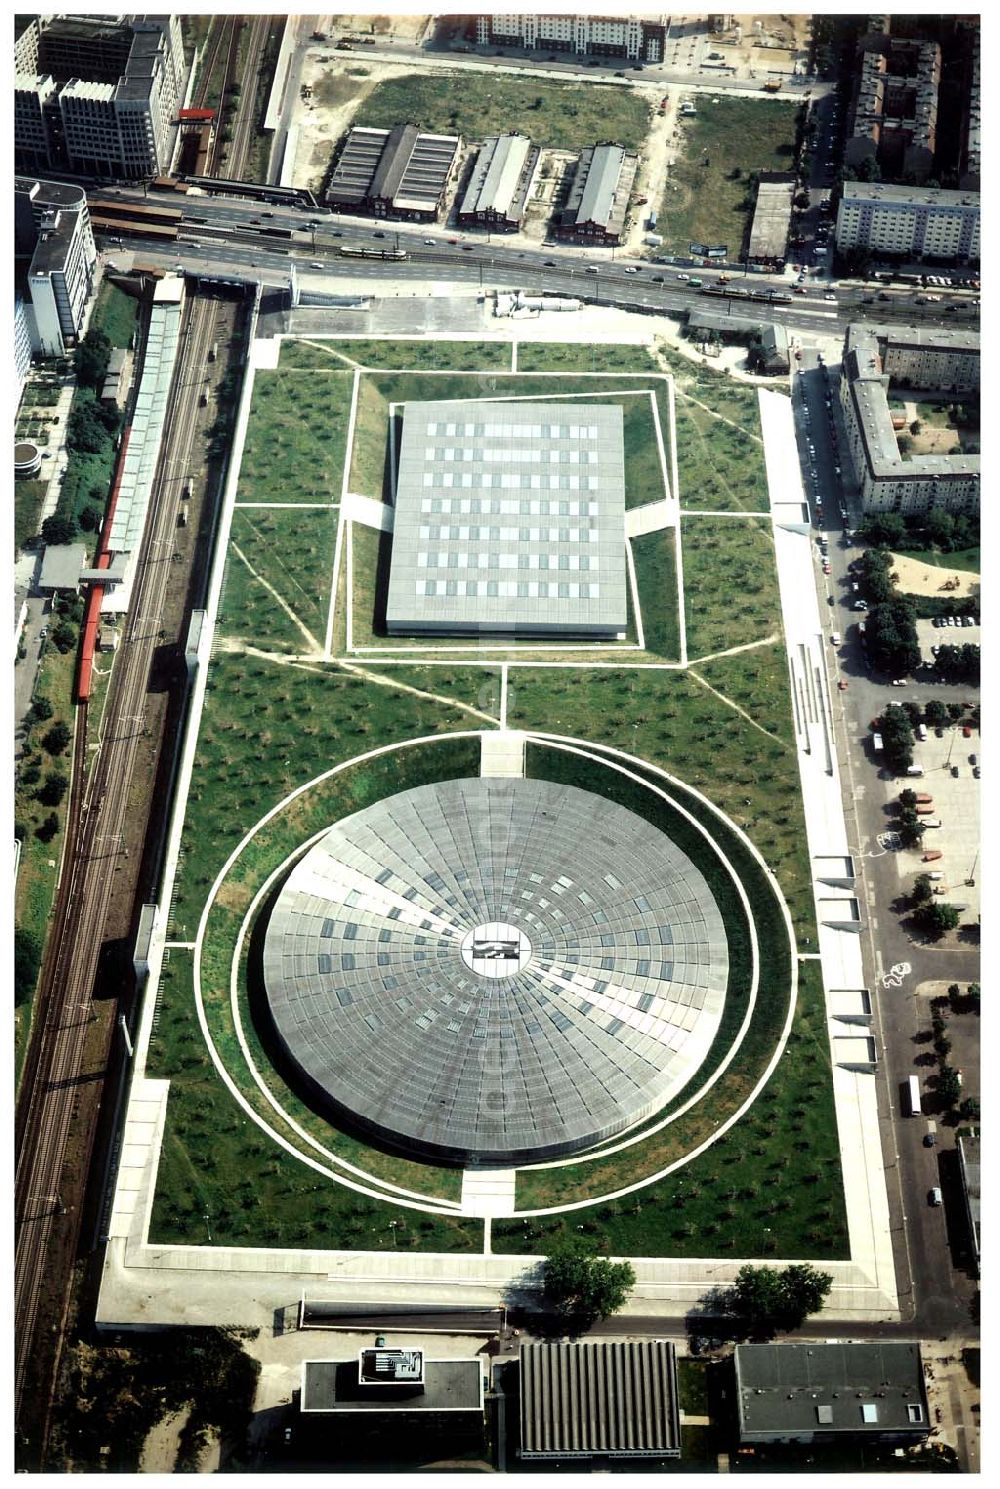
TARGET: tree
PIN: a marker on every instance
(57, 738)
(923, 889)
(907, 799)
(883, 529)
(949, 1086)
(63, 637)
(936, 918)
(90, 361)
(46, 830)
(779, 1299)
(58, 529)
(904, 443)
(911, 830)
(915, 426)
(53, 789)
(584, 1286)
(27, 958)
(936, 713)
(939, 527)
(40, 709)
(969, 1109)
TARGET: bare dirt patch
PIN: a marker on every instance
(916, 578)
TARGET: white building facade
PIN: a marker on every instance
(639, 38)
(909, 221)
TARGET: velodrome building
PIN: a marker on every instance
(510, 519)
(875, 358)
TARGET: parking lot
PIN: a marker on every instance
(956, 807)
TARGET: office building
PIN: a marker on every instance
(55, 244)
(637, 38)
(99, 96)
(909, 222)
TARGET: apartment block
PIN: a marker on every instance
(894, 114)
(55, 245)
(909, 221)
(875, 358)
(639, 38)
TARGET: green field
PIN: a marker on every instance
(398, 353)
(730, 583)
(559, 116)
(29, 498)
(709, 196)
(295, 443)
(655, 560)
(115, 314)
(285, 551)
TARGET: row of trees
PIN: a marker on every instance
(892, 637)
(947, 531)
(959, 663)
(581, 1288)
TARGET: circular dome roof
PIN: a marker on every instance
(495, 970)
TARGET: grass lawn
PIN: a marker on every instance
(730, 584)
(296, 438)
(402, 352)
(313, 1206)
(268, 727)
(757, 681)
(727, 140)
(559, 116)
(673, 721)
(969, 560)
(475, 687)
(29, 497)
(720, 457)
(115, 314)
(654, 555)
(643, 474)
(293, 552)
(544, 356)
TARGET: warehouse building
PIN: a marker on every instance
(911, 222)
(771, 219)
(500, 184)
(612, 1399)
(926, 358)
(397, 172)
(830, 1392)
(598, 200)
(510, 518)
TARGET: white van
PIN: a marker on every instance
(914, 770)
(835, 639)
(921, 732)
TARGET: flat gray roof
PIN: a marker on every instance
(612, 1398)
(510, 518)
(454, 926)
(772, 215)
(914, 196)
(61, 565)
(449, 1385)
(841, 1388)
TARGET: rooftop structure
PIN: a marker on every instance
(610, 1399)
(500, 182)
(819, 1392)
(920, 357)
(599, 195)
(348, 1386)
(510, 518)
(61, 565)
(454, 930)
(398, 172)
(771, 218)
(894, 115)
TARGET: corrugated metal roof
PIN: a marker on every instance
(494, 181)
(609, 1398)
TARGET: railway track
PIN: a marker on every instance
(46, 1228)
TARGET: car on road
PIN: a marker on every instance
(975, 771)
(43, 633)
(900, 682)
(934, 1196)
(429, 243)
(684, 276)
(630, 269)
(842, 685)
(315, 264)
(827, 569)
(929, 1139)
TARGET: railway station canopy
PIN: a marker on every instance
(510, 519)
(493, 971)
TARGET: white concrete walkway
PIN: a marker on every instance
(488, 1191)
(502, 753)
(368, 511)
(826, 832)
(652, 518)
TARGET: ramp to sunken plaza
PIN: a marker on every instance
(495, 971)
